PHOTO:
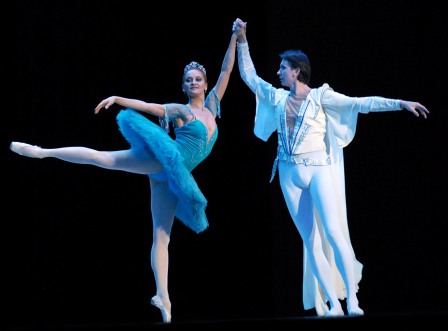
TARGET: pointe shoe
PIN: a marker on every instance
(166, 315)
(355, 311)
(25, 149)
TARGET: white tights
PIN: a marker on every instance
(303, 188)
(137, 161)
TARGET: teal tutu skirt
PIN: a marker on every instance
(140, 132)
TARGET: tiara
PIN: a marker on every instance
(194, 65)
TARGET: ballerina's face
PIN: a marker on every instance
(194, 82)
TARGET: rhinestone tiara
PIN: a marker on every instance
(194, 65)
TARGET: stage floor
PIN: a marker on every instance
(404, 320)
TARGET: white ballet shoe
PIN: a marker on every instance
(355, 311)
(166, 315)
(25, 149)
(335, 312)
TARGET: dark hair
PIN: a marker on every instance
(298, 59)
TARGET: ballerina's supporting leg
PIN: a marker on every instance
(163, 206)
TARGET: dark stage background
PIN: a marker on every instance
(78, 237)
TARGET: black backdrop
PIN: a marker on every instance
(78, 237)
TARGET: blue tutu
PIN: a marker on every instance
(140, 132)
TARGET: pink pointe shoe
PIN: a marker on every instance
(166, 315)
(25, 149)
